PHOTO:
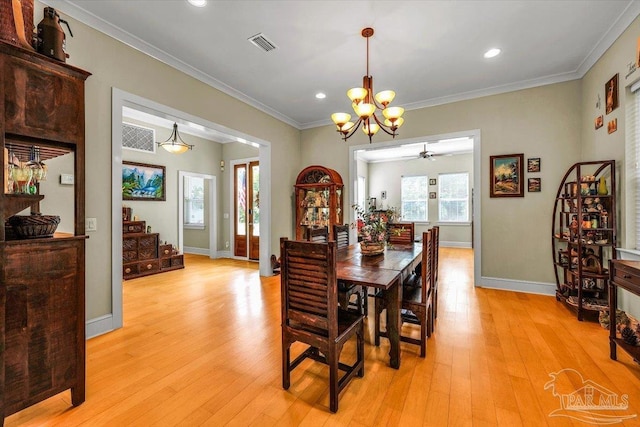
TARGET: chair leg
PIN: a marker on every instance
(332, 361)
(365, 297)
(286, 364)
(423, 337)
(360, 347)
(429, 321)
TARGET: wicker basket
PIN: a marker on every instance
(370, 249)
(8, 30)
(34, 226)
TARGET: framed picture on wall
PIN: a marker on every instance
(507, 175)
(141, 181)
(534, 185)
(533, 164)
(611, 94)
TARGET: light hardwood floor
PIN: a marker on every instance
(201, 346)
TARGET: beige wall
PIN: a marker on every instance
(540, 122)
(114, 64)
(598, 144)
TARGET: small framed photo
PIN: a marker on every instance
(432, 194)
(533, 164)
(507, 175)
(611, 94)
(612, 126)
(432, 181)
(599, 121)
(533, 185)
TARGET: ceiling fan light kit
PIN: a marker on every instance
(365, 104)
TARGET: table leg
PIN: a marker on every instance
(393, 299)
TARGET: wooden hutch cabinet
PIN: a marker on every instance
(42, 284)
(584, 236)
(318, 192)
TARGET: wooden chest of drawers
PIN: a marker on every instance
(626, 275)
(142, 253)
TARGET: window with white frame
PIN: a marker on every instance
(414, 194)
(194, 201)
(453, 197)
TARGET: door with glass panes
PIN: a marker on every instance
(247, 210)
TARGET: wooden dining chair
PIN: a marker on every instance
(401, 233)
(347, 290)
(318, 234)
(416, 301)
(311, 315)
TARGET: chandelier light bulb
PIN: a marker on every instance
(393, 112)
(385, 97)
(357, 94)
(340, 118)
(364, 110)
(396, 123)
(346, 127)
(370, 129)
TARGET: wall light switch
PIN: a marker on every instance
(91, 224)
(66, 179)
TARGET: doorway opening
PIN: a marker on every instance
(428, 149)
(121, 99)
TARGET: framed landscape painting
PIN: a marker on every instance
(507, 175)
(141, 181)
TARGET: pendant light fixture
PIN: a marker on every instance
(365, 104)
(175, 144)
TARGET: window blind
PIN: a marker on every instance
(632, 148)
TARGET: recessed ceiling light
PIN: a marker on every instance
(492, 53)
(198, 3)
(320, 95)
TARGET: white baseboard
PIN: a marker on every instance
(517, 286)
(196, 251)
(224, 254)
(455, 244)
(99, 326)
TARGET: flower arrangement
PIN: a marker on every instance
(372, 224)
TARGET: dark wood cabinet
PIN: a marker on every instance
(42, 288)
(584, 236)
(142, 253)
(318, 193)
(625, 275)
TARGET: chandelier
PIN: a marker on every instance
(175, 144)
(365, 104)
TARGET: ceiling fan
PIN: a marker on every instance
(424, 154)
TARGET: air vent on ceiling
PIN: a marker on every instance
(262, 42)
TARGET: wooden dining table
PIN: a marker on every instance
(387, 272)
